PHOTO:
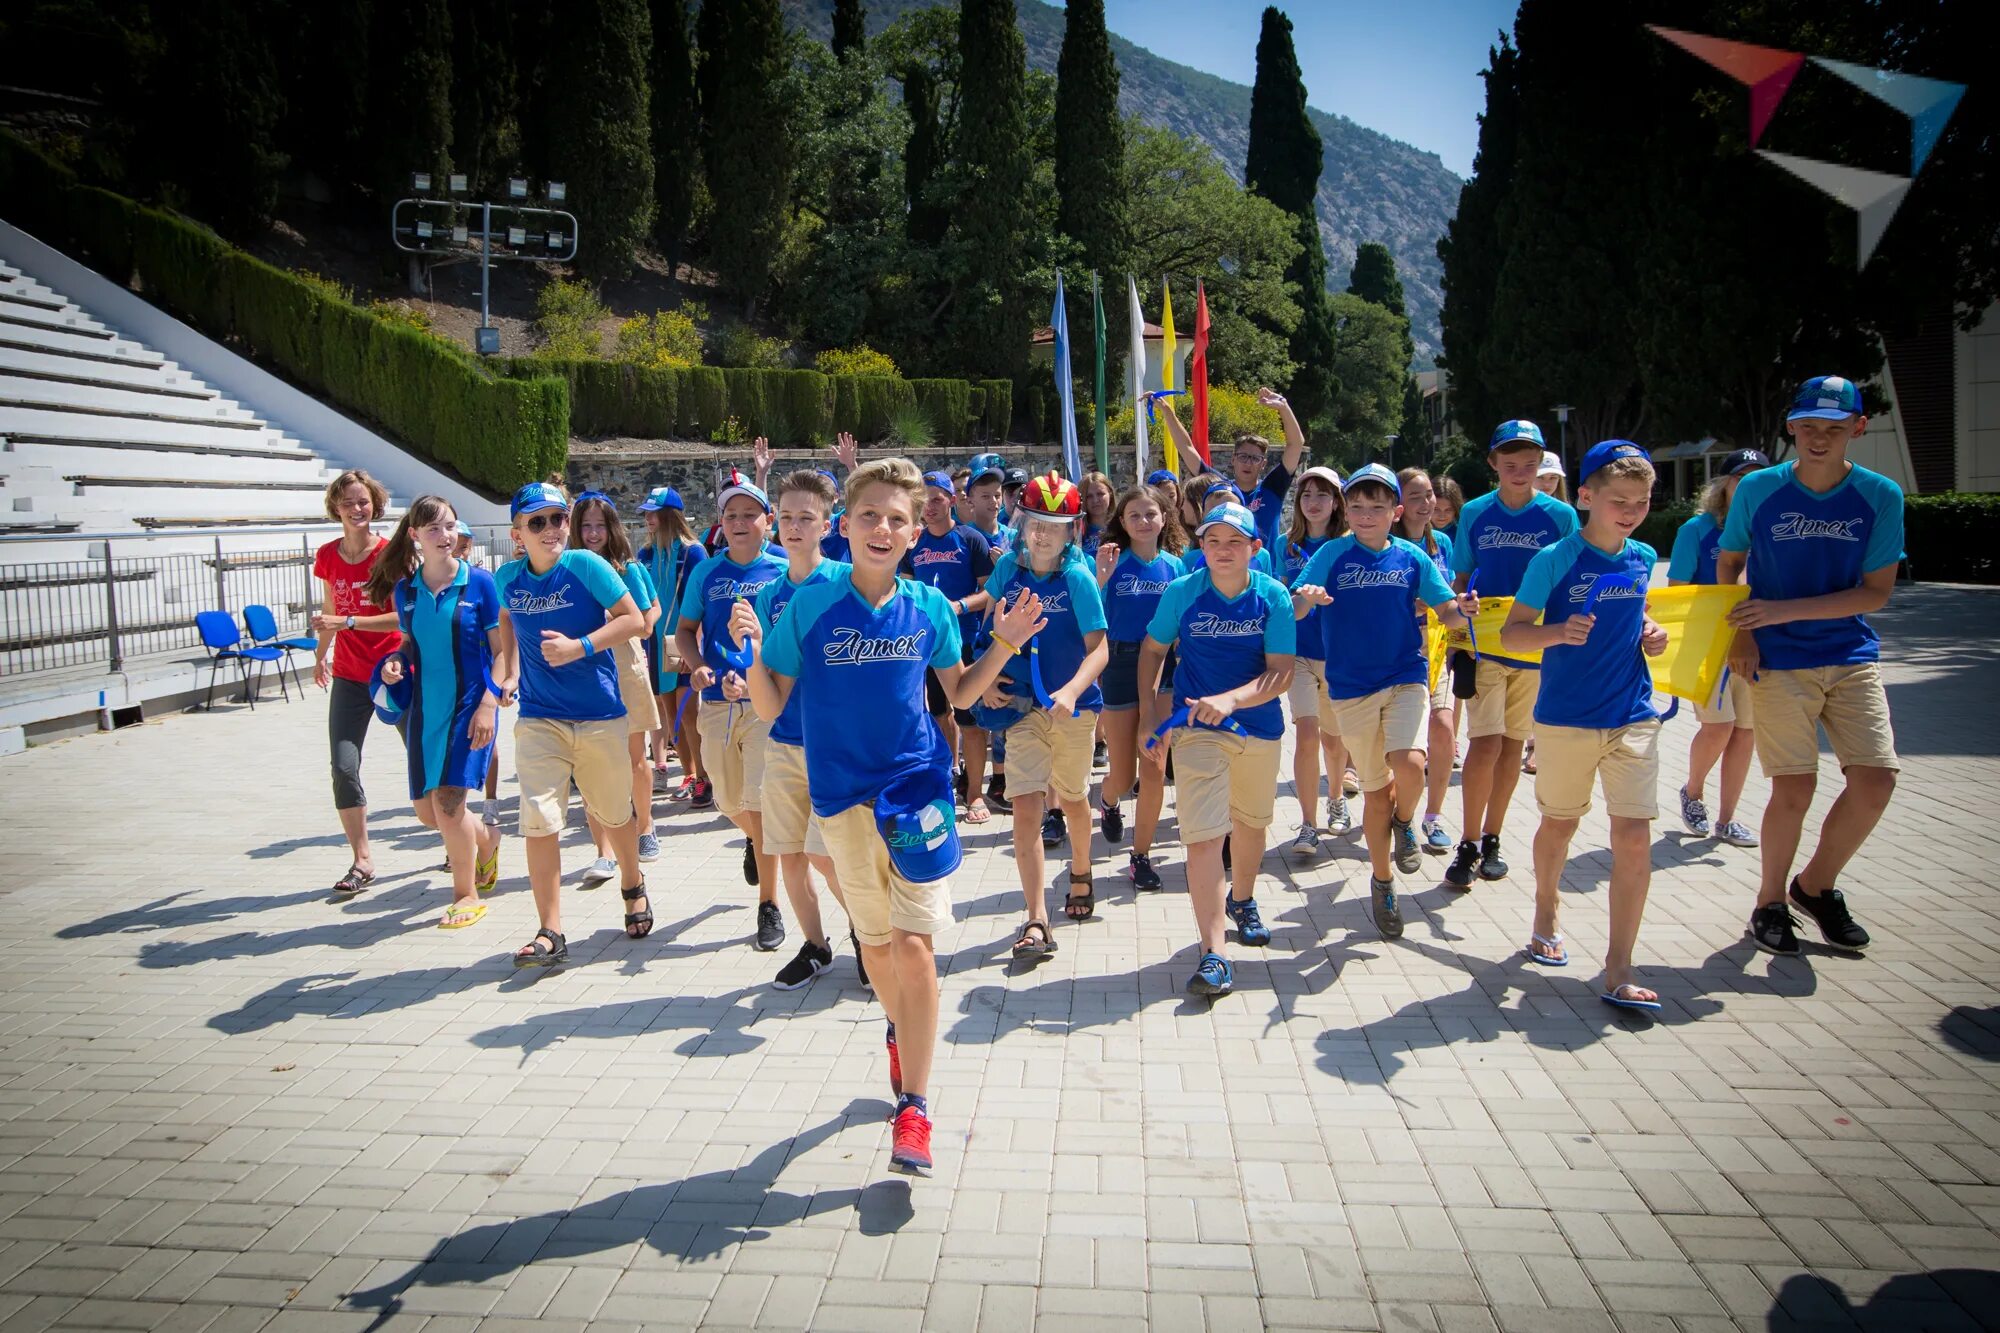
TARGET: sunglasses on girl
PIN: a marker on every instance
(543, 522)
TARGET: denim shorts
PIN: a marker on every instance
(1120, 681)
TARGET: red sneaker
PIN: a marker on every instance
(895, 1067)
(912, 1152)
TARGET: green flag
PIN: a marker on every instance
(1097, 327)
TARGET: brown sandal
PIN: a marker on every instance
(1080, 906)
(1034, 941)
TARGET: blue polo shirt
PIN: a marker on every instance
(1133, 593)
(1803, 543)
(1225, 641)
(771, 603)
(956, 564)
(448, 629)
(1267, 502)
(572, 599)
(1695, 548)
(871, 660)
(1498, 543)
(1372, 639)
(711, 595)
(1603, 683)
(1073, 607)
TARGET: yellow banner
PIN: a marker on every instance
(1694, 615)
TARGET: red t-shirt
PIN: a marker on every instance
(355, 652)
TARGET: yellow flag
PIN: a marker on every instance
(1171, 454)
(1694, 615)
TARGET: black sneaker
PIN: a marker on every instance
(1771, 930)
(770, 927)
(1114, 823)
(703, 795)
(807, 963)
(1459, 873)
(1098, 758)
(749, 863)
(958, 781)
(1054, 829)
(1829, 912)
(1142, 873)
(860, 967)
(1490, 864)
(996, 795)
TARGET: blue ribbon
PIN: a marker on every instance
(1180, 718)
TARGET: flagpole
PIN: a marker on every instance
(1135, 373)
(1097, 325)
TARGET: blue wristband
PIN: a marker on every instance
(588, 646)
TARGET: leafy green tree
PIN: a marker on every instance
(1283, 165)
(409, 94)
(850, 28)
(1368, 375)
(216, 71)
(1089, 165)
(987, 320)
(486, 127)
(1471, 247)
(746, 140)
(676, 130)
(601, 133)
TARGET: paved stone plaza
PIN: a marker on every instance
(228, 1102)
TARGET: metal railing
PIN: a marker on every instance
(113, 601)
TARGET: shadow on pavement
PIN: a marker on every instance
(1944, 1298)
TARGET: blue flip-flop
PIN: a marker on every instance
(1612, 997)
(1555, 942)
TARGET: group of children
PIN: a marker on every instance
(854, 654)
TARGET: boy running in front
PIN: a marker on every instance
(1818, 540)
(1594, 716)
(1236, 637)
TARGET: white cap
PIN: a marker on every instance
(1551, 465)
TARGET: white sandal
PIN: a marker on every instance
(1559, 959)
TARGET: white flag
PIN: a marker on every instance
(1135, 376)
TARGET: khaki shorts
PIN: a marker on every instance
(732, 750)
(1569, 759)
(877, 898)
(1377, 725)
(1442, 700)
(642, 710)
(790, 826)
(1050, 753)
(1307, 692)
(549, 755)
(1505, 703)
(1847, 701)
(1734, 705)
(1221, 779)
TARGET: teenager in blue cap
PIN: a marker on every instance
(1727, 732)
(1236, 636)
(561, 611)
(671, 556)
(450, 618)
(1594, 715)
(1262, 492)
(1207, 490)
(868, 635)
(1498, 534)
(1818, 539)
(1318, 517)
(955, 559)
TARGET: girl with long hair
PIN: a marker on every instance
(1098, 495)
(670, 555)
(1318, 516)
(1420, 499)
(594, 527)
(449, 613)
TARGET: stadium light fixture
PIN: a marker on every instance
(556, 240)
(423, 230)
(460, 234)
(457, 182)
(420, 181)
(517, 235)
(517, 187)
(557, 192)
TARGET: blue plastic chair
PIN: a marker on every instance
(263, 627)
(224, 641)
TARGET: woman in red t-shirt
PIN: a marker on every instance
(360, 634)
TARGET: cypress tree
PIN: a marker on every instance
(746, 139)
(1283, 165)
(409, 94)
(217, 72)
(989, 315)
(486, 127)
(600, 131)
(1471, 247)
(850, 29)
(327, 115)
(1373, 278)
(923, 157)
(1090, 139)
(676, 130)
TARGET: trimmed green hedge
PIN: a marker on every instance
(1660, 527)
(424, 391)
(996, 412)
(1946, 537)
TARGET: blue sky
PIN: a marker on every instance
(1408, 69)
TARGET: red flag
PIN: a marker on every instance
(1198, 373)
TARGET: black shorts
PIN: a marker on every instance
(937, 701)
(1120, 681)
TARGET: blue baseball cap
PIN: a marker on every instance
(536, 495)
(940, 481)
(1235, 492)
(1373, 472)
(661, 497)
(1230, 514)
(828, 475)
(390, 701)
(739, 485)
(915, 817)
(1160, 474)
(1508, 431)
(1606, 452)
(1826, 398)
(464, 529)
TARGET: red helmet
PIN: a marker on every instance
(1050, 496)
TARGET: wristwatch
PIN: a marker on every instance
(350, 622)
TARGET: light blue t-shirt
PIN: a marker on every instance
(1133, 593)
(711, 596)
(771, 604)
(1604, 682)
(1372, 638)
(572, 599)
(1695, 547)
(1073, 607)
(639, 584)
(1498, 543)
(1292, 560)
(448, 628)
(871, 660)
(1805, 544)
(1225, 641)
